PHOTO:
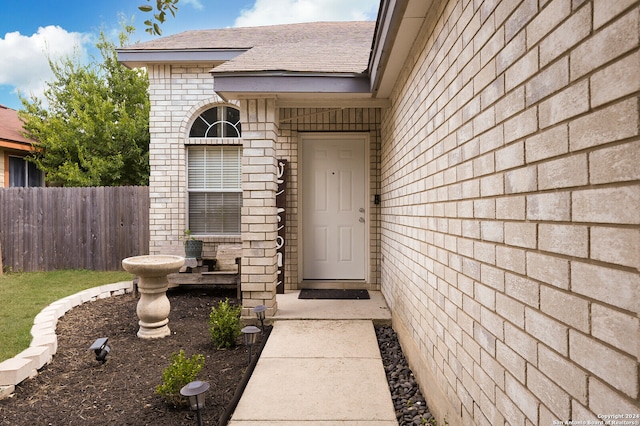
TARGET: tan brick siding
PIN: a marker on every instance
(177, 94)
(510, 239)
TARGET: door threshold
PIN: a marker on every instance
(335, 284)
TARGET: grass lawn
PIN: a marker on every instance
(24, 295)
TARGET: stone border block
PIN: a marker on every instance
(46, 316)
(41, 328)
(116, 286)
(59, 308)
(15, 370)
(73, 300)
(104, 295)
(48, 340)
(6, 391)
(90, 294)
(39, 354)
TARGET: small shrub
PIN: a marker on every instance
(224, 324)
(180, 372)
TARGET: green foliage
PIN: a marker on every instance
(224, 324)
(162, 7)
(25, 294)
(94, 130)
(180, 372)
(433, 422)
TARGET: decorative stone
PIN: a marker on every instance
(153, 307)
(6, 391)
(46, 316)
(43, 328)
(40, 355)
(49, 340)
(15, 370)
(90, 294)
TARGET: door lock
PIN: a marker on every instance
(361, 210)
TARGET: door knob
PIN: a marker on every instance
(361, 220)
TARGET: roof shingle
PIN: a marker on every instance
(340, 47)
(11, 126)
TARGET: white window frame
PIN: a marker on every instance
(214, 123)
(214, 179)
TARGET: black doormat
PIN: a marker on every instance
(308, 293)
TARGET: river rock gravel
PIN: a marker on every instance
(411, 407)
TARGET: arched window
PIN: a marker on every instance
(214, 174)
(217, 122)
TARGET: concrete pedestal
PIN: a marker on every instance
(153, 307)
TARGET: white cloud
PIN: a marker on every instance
(272, 12)
(195, 3)
(24, 58)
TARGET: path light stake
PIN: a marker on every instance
(195, 391)
(250, 337)
(260, 311)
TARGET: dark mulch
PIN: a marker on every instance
(77, 390)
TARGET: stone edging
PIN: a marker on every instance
(44, 342)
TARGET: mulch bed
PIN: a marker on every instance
(75, 389)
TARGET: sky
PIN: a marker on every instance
(31, 31)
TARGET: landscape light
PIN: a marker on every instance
(250, 333)
(195, 392)
(260, 311)
(101, 349)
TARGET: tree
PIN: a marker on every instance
(95, 128)
(162, 7)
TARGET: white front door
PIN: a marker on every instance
(334, 207)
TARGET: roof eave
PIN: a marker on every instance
(399, 22)
(235, 84)
(16, 145)
(134, 58)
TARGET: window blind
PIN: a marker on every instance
(214, 168)
(214, 184)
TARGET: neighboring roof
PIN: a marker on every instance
(11, 131)
(323, 47)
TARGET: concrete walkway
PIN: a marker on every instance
(320, 371)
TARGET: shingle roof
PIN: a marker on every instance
(11, 126)
(341, 47)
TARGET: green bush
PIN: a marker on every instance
(224, 324)
(180, 372)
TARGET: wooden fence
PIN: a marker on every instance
(43, 229)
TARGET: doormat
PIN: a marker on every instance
(308, 293)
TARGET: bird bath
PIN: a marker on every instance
(153, 307)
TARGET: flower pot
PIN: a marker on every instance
(193, 248)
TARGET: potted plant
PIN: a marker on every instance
(192, 247)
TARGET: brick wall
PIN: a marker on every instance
(177, 94)
(259, 213)
(510, 210)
